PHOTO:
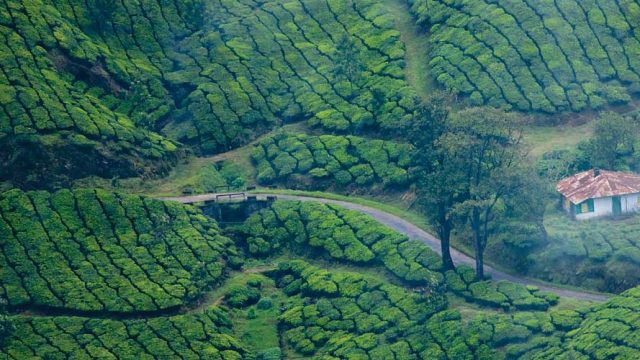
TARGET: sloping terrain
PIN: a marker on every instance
(535, 55)
(96, 81)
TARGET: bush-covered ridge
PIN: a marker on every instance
(95, 75)
(535, 55)
(98, 251)
(205, 335)
(338, 159)
(347, 314)
(344, 235)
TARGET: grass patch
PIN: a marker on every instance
(542, 139)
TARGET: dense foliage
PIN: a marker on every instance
(99, 251)
(96, 81)
(503, 294)
(602, 254)
(204, 335)
(341, 234)
(348, 315)
(332, 160)
(607, 331)
(545, 56)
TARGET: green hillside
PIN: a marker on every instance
(386, 133)
(533, 55)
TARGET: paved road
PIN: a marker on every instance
(416, 233)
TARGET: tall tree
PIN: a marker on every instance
(614, 137)
(485, 144)
(438, 187)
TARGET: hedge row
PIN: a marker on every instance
(340, 234)
(205, 335)
(537, 55)
(501, 294)
(99, 251)
(341, 160)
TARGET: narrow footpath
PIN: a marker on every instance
(414, 232)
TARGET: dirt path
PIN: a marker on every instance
(416, 233)
(416, 45)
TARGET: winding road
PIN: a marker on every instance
(414, 232)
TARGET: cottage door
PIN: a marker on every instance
(617, 206)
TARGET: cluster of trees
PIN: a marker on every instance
(218, 177)
(473, 178)
(502, 294)
(340, 160)
(202, 335)
(99, 251)
(615, 145)
(340, 234)
(534, 56)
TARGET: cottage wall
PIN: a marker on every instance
(630, 203)
(601, 207)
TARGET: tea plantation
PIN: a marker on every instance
(100, 81)
(602, 254)
(108, 105)
(535, 55)
(98, 251)
(339, 160)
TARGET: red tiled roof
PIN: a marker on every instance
(585, 185)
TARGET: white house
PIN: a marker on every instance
(595, 193)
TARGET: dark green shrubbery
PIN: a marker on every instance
(332, 160)
(205, 335)
(534, 55)
(342, 235)
(79, 80)
(95, 250)
(502, 294)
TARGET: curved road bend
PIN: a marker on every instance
(416, 233)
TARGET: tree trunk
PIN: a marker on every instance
(475, 226)
(445, 236)
(479, 262)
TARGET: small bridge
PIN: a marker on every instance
(228, 197)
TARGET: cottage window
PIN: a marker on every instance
(585, 207)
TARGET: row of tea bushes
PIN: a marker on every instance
(535, 55)
(501, 294)
(340, 234)
(93, 250)
(203, 335)
(341, 160)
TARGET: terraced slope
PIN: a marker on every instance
(535, 55)
(609, 330)
(335, 160)
(96, 251)
(205, 335)
(93, 82)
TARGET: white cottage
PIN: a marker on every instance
(595, 193)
